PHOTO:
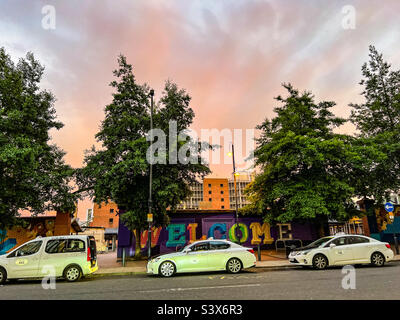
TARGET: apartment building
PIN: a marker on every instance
(193, 202)
(242, 181)
(217, 194)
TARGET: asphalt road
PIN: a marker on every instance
(256, 284)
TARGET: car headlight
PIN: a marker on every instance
(305, 252)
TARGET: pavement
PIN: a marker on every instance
(110, 265)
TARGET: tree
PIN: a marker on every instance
(303, 163)
(378, 122)
(119, 171)
(33, 175)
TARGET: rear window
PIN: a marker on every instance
(200, 247)
(92, 246)
(65, 246)
(218, 245)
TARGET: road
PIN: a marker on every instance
(296, 283)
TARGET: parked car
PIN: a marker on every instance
(206, 255)
(71, 257)
(342, 250)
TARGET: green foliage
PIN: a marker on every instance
(33, 175)
(120, 171)
(378, 122)
(304, 165)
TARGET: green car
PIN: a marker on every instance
(202, 256)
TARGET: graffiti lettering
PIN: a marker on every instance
(258, 231)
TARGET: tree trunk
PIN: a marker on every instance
(137, 244)
(322, 226)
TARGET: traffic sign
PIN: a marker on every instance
(389, 207)
(149, 217)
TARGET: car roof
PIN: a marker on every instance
(348, 235)
(352, 235)
(81, 237)
(212, 239)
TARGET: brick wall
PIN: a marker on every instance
(105, 216)
(218, 191)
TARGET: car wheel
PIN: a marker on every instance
(234, 265)
(377, 259)
(167, 269)
(3, 275)
(72, 273)
(320, 262)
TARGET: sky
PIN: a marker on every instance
(231, 56)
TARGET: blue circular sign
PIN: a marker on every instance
(389, 207)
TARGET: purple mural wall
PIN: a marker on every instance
(187, 228)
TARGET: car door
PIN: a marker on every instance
(361, 248)
(55, 256)
(217, 256)
(197, 259)
(342, 253)
(24, 262)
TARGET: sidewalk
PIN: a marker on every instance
(108, 264)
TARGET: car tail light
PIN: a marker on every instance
(388, 245)
(251, 251)
(88, 254)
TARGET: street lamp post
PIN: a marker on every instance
(150, 214)
(389, 207)
(236, 201)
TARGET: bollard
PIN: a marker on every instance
(259, 252)
(396, 244)
(123, 257)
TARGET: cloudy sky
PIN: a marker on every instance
(231, 56)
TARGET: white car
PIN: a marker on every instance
(206, 255)
(69, 257)
(342, 250)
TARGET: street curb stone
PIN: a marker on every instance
(131, 273)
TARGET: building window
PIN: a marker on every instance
(209, 192)
(221, 185)
(209, 199)
(222, 199)
(111, 210)
(111, 220)
(222, 192)
(222, 207)
(209, 185)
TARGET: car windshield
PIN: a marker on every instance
(318, 242)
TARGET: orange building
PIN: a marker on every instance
(106, 216)
(215, 194)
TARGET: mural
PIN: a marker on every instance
(18, 235)
(6, 245)
(185, 229)
(385, 228)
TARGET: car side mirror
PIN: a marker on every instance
(188, 250)
(332, 245)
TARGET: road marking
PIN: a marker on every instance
(200, 288)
